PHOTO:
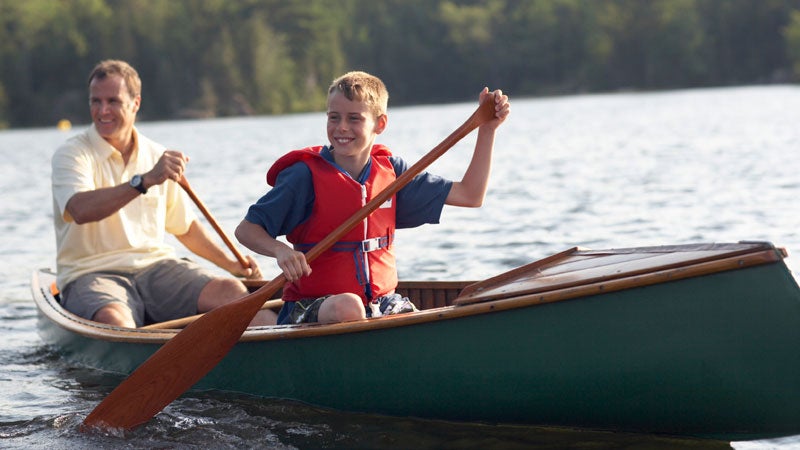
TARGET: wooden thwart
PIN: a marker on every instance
(184, 321)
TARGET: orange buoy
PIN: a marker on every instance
(64, 125)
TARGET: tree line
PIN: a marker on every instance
(207, 58)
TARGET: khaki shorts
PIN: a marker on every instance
(162, 291)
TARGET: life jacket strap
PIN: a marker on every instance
(365, 246)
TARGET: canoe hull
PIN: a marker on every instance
(671, 359)
(712, 355)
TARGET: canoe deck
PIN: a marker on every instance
(604, 269)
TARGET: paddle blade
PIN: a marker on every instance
(177, 365)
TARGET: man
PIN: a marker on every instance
(115, 195)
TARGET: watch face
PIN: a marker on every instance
(136, 182)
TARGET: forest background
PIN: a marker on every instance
(211, 58)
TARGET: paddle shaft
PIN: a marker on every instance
(188, 188)
(183, 321)
(191, 354)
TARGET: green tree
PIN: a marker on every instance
(312, 31)
(792, 34)
(405, 43)
(3, 108)
(745, 41)
(42, 42)
(469, 29)
(545, 45)
(222, 57)
(270, 70)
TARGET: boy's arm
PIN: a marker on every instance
(255, 237)
(471, 190)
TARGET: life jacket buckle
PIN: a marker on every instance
(370, 245)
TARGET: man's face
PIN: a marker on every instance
(113, 110)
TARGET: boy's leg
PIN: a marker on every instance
(341, 308)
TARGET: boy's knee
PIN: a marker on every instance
(341, 308)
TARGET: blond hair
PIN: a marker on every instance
(362, 87)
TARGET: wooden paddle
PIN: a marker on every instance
(183, 321)
(192, 353)
(186, 187)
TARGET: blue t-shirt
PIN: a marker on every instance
(290, 201)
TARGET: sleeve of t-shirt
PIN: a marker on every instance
(71, 173)
(288, 204)
(421, 201)
(179, 214)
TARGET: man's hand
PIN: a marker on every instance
(170, 166)
(234, 267)
(253, 272)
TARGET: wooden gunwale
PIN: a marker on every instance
(88, 328)
(462, 306)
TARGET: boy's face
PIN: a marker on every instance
(352, 126)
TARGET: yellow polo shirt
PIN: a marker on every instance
(129, 239)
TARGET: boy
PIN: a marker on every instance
(318, 188)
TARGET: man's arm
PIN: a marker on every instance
(91, 206)
(200, 242)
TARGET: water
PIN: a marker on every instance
(599, 171)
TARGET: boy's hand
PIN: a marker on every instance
(292, 263)
(501, 106)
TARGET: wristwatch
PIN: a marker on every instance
(137, 182)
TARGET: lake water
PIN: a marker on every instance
(598, 171)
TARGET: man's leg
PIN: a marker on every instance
(173, 289)
(116, 314)
(104, 297)
(221, 291)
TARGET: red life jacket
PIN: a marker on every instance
(362, 262)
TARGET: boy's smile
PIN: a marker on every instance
(352, 128)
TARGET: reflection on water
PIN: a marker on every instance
(597, 171)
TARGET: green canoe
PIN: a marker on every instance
(694, 340)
